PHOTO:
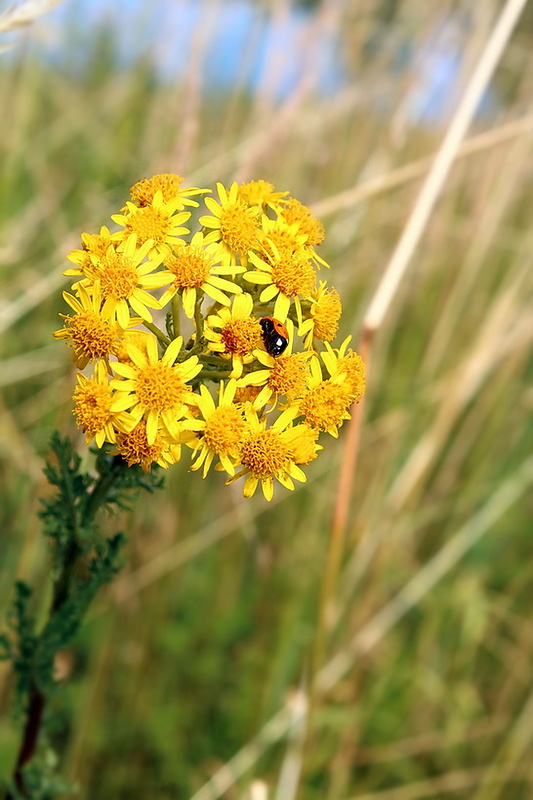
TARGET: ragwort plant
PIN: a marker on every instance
(199, 326)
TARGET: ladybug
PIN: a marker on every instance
(275, 335)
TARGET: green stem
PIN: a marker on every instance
(215, 360)
(155, 330)
(64, 588)
(198, 318)
(213, 374)
(176, 318)
(101, 489)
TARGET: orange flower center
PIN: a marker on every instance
(289, 376)
(265, 453)
(134, 447)
(118, 276)
(238, 227)
(149, 223)
(92, 403)
(241, 336)
(91, 336)
(190, 265)
(160, 388)
(225, 429)
(293, 277)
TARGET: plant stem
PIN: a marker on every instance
(31, 735)
(155, 330)
(337, 535)
(198, 318)
(62, 592)
(176, 319)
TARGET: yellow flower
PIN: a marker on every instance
(303, 442)
(267, 454)
(157, 223)
(139, 338)
(194, 268)
(95, 244)
(234, 221)
(143, 192)
(286, 376)
(246, 394)
(91, 335)
(286, 238)
(93, 398)
(234, 334)
(325, 311)
(326, 405)
(156, 389)
(221, 431)
(261, 193)
(289, 238)
(135, 448)
(124, 280)
(345, 361)
(293, 212)
(286, 276)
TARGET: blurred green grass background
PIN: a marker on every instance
(207, 633)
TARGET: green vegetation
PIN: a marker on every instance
(207, 634)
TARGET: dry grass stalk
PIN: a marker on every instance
(388, 288)
(501, 134)
(21, 16)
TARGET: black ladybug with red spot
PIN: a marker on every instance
(275, 335)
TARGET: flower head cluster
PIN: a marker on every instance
(199, 325)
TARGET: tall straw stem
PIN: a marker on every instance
(379, 308)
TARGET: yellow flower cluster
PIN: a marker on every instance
(209, 339)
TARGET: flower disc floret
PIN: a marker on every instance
(294, 277)
(234, 334)
(224, 430)
(92, 409)
(142, 193)
(90, 337)
(326, 311)
(325, 407)
(118, 275)
(160, 388)
(290, 376)
(240, 336)
(280, 241)
(135, 448)
(265, 453)
(189, 265)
